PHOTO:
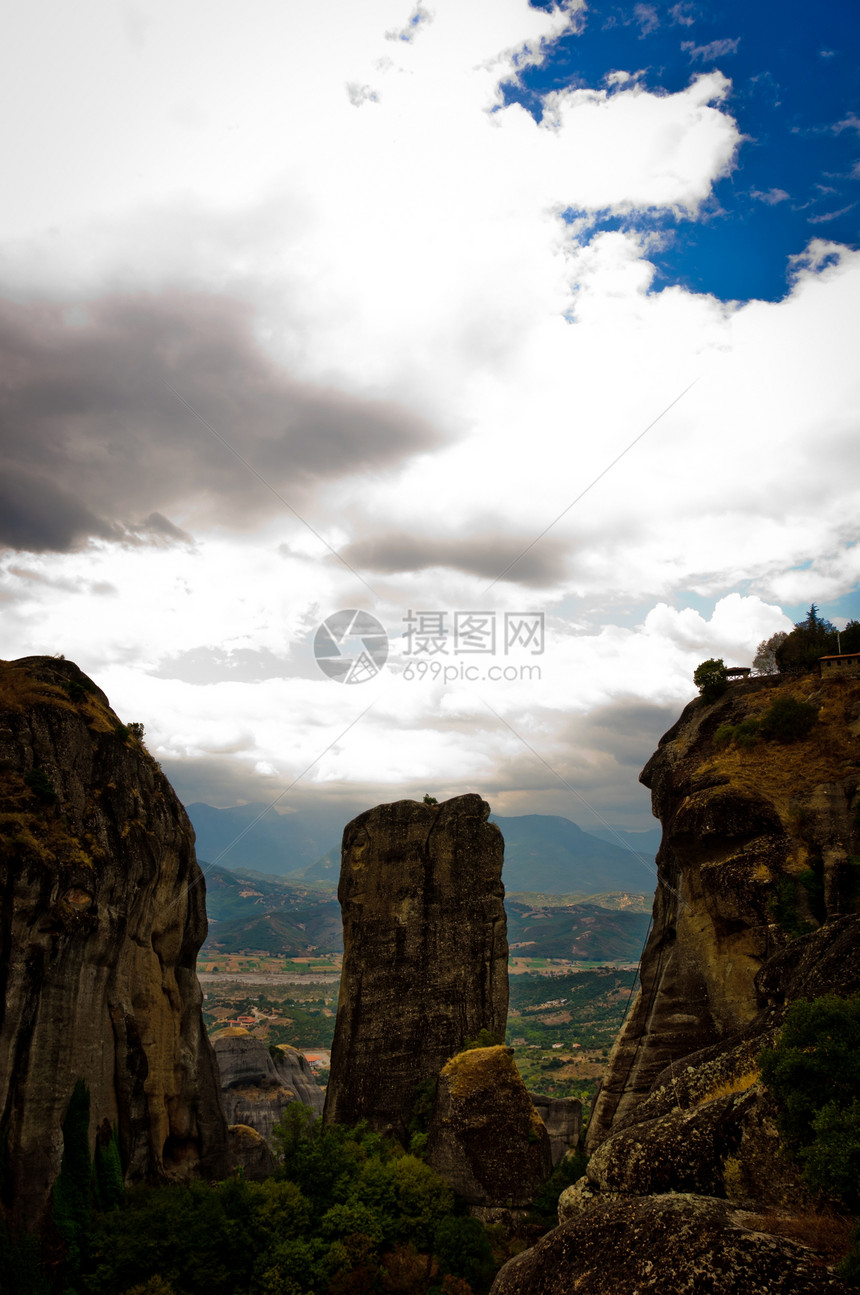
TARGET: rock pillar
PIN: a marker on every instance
(425, 953)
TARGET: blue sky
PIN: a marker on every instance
(795, 95)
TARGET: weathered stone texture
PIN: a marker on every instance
(102, 912)
(425, 953)
(737, 823)
(562, 1117)
(485, 1138)
(256, 1088)
(686, 1161)
(249, 1153)
(653, 1245)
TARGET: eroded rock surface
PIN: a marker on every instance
(562, 1117)
(249, 1153)
(102, 912)
(653, 1245)
(756, 907)
(485, 1138)
(425, 953)
(256, 1088)
(743, 829)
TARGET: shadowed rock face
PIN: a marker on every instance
(485, 1138)
(102, 912)
(425, 953)
(742, 827)
(249, 1153)
(562, 1117)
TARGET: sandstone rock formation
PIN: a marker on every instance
(562, 1117)
(658, 1244)
(485, 1138)
(743, 829)
(249, 1153)
(256, 1088)
(756, 908)
(425, 953)
(101, 916)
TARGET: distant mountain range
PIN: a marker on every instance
(249, 911)
(543, 853)
(253, 913)
(586, 932)
(280, 844)
(570, 894)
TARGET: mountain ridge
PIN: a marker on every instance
(545, 853)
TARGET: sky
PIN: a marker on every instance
(406, 399)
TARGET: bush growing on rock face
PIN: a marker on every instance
(486, 1039)
(788, 720)
(785, 720)
(813, 1071)
(746, 734)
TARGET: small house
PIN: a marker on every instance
(844, 666)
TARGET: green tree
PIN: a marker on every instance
(72, 1204)
(813, 1071)
(423, 1200)
(463, 1249)
(810, 639)
(850, 637)
(107, 1169)
(711, 678)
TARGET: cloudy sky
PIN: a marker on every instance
(528, 331)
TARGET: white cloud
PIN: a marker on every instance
(771, 197)
(713, 50)
(414, 252)
(646, 17)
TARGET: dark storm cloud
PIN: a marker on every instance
(37, 513)
(628, 730)
(487, 556)
(93, 439)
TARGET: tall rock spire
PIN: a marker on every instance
(425, 953)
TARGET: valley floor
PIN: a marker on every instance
(562, 1018)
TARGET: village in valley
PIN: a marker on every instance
(562, 1020)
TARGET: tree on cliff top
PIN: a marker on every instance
(810, 639)
(711, 678)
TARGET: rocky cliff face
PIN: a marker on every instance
(485, 1138)
(425, 953)
(101, 917)
(756, 847)
(756, 908)
(256, 1088)
(562, 1117)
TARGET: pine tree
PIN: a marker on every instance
(72, 1207)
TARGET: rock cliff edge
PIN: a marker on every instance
(102, 912)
